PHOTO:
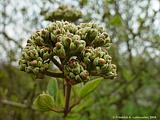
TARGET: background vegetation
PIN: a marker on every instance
(134, 29)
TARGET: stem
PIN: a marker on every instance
(16, 104)
(52, 74)
(67, 99)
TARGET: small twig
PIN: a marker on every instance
(52, 74)
(57, 111)
(16, 104)
(11, 39)
(20, 105)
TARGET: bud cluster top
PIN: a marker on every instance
(83, 49)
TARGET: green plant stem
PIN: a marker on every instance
(16, 104)
(67, 99)
(52, 74)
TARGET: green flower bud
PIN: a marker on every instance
(110, 73)
(59, 45)
(66, 41)
(41, 69)
(36, 70)
(108, 40)
(46, 56)
(81, 45)
(22, 67)
(78, 78)
(104, 67)
(72, 46)
(82, 66)
(44, 102)
(76, 70)
(71, 75)
(45, 66)
(107, 45)
(45, 34)
(105, 34)
(92, 33)
(39, 40)
(32, 55)
(96, 61)
(34, 63)
(61, 53)
(86, 60)
(101, 61)
(114, 66)
(28, 69)
(39, 59)
(88, 54)
(107, 57)
(26, 56)
(98, 68)
(84, 74)
(22, 61)
(53, 37)
(39, 64)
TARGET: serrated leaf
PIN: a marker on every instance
(89, 87)
(52, 87)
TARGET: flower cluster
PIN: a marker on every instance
(75, 72)
(94, 35)
(64, 13)
(98, 61)
(83, 49)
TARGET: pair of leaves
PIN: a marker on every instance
(44, 102)
(47, 102)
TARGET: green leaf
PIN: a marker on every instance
(89, 87)
(83, 104)
(52, 87)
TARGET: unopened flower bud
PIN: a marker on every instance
(39, 64)
(33, 63)
(72, 46)
(22, 67)
(86, 60)
(44, 102)
(58, 45)
(28, 69)
(101, 61)
(78, 78)
(36, 70)
(71, 75)
(46, 56)
(96, 61)
(84, 74)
